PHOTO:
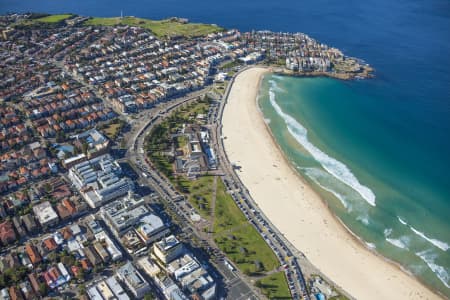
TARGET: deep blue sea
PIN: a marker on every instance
(377, 150)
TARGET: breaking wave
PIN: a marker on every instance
(275, 87)
(314, 174)
(387, 232)
(334, 167)
(371, 245)
(402, 242)
(363, 219)
(402, 221)
(440, 244)
(442, 273)
(397, 243)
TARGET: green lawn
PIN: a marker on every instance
(200, 194)
(233, 234)
(227, 214)
(191, 111)
(161, 28)
(112, 130)
(231, 64)
(247, 249)
(182, 141)
(54, 18)
(239, 239)
(275, 286)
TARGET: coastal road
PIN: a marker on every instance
(281, 247)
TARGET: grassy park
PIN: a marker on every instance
(54, 18)
(200, 193)
(230, 229)
(161, 28)
(239, 239)
(38, 20)
(113, 128)
(274, 286)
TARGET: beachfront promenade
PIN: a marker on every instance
(286, 253)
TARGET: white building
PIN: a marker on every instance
(45, 214)
(192, 276)
(168, 287)
(122, 214)
(167, 249)
(117, 289)
(111, 247)
(151, 228)
(98, 180)
(133, 280)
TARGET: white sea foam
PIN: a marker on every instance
(275, 87)
(334, 167)
(397, 243)
(363, 219)
(267, 120)
(371, 245)
(314, 174)
(441, 272)
(402, 242)
(387, 232)
(440, 244)
(402, 221)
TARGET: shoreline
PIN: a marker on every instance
(355, 237)
(393, 280)
(366, 74)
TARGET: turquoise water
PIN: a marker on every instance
(384, 180)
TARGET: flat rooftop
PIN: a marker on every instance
(167, 243)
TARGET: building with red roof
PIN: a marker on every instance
(7, 234)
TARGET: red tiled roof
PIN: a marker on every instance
(7, 234)
(34, 255)
(50, 244)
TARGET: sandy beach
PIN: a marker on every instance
(297, 211)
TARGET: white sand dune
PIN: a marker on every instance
(297, 210)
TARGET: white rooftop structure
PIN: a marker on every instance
(151, 228)
(133, 279)
(111, 247)
(182, 266)
(93, 137)
(99, 180)
(124, 213)
(192, 276)
(104, 290)
(117, 289)
(89, 171)
(94, 294)
(167, 249)
(45, 214)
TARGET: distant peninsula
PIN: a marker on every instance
(294, 54)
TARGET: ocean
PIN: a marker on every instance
(377, 150)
